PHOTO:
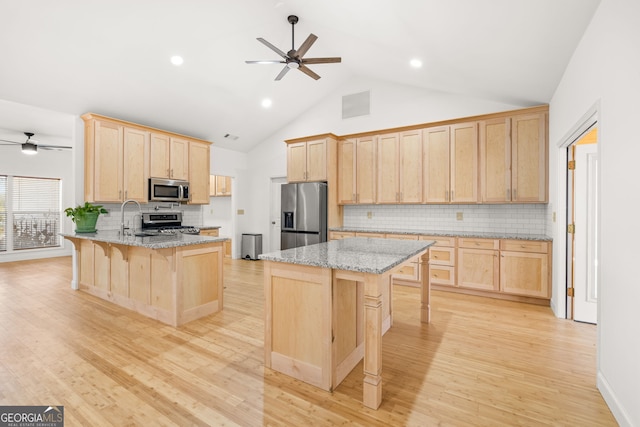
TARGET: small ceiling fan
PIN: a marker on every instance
(30, 146)
(294, 58)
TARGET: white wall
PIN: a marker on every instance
(605, 69)
(392, 105)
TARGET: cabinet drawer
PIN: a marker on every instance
(376, 235)
(441, 240)
(473, 243)
(442, 274)
(210, 232)
(410, 270)
(402, 236)
(336, 235)
(442, 256)
(537, 246)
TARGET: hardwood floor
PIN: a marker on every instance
(480, 362)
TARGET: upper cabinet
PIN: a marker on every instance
(169, 157)
(356, 170)
(399, 171)
(219, 185)
(307, 161)
(120, 157)
(451, 163)
(513, 159)
(199, 173)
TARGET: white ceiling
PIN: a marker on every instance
(112, 57)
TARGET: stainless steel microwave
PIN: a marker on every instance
(168, 190)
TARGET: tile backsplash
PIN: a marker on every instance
(512, 219)
(191, 214)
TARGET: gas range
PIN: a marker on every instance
(165, 223)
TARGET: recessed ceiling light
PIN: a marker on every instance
(266, 103)
(416, 63)
(177, 60)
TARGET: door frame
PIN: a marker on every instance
(273, 182)
(587, 121)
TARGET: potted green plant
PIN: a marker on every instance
(85, 216)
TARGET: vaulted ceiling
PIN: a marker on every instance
(113, 57)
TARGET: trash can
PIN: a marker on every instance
(251, 246)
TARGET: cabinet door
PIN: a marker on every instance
(179, 159)
(347, 171)
(436, 164)
(410, 167)
(136, 165)
(159, 155)
(495, 160)
(366, 170)
(199, 173)
(529, 158)
(108, 152)
(478, 269)
(464, 163)
(524, 273)
(387, 170)
(296, 162)
(212, 185)
(317, 160)
(337, 235)
(222, 185)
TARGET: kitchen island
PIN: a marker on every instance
(328, 305)
(171, 278)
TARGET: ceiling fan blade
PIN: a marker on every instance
(320, 60)
(308, 72)
(304, 47)
(54, 147)
(10, 142)
(272, 47)
(284, 71)
(275, 61)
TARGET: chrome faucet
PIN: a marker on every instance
(122, 227)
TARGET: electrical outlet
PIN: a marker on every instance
(369, 215)
(459, 216)
(211, 211)
(240, 211)
(554, 217)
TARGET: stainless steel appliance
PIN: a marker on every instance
(304, 214)
(156, 223)
(168, 190)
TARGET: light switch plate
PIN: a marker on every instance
(459, 216)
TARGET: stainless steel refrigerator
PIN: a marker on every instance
(304, 214)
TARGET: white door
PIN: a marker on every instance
(586, 221)
(275, 220)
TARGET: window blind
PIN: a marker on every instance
(3, 213)
(35, 208)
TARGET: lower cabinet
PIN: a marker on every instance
(478, 263)
(442, 260)
(524, 268)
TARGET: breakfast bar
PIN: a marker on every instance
(328, 305)
(172, 278)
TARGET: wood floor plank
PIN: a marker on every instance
(481, 362)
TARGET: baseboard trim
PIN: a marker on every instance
(612, 401)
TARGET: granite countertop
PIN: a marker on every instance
(478, 234)
(151, 242)
(362, 254)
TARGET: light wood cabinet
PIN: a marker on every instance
(410, 271)
(399, 171)
(116, 162)
(442, 260)
(337, 235)
(513, 159)
(214, 232)
(219, 186)
(199, 173)
(524, 268)
(478, 264)
(451, 163)
(169, 157)
(357, 171)
(307, 161)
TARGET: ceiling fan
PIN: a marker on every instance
(30, 146)
(294, 58)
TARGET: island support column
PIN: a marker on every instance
(372, 385)
(425, 290)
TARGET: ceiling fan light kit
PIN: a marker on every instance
(29, 146)
(294, 58)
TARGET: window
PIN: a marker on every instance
(32, 206)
